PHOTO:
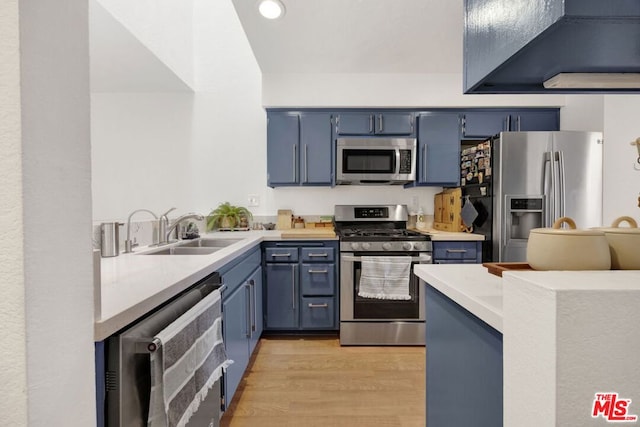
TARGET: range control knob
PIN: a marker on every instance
(355, 245)
(386, 246)
(407, 246)
(366, 246)
(420, 246)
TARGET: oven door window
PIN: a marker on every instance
(368, 161)
(374, 308)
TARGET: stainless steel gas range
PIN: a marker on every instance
(377, 234)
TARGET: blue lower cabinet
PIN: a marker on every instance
(235, 340)
(464, 366)
(300, 295)
(457, 252)
(241, 316)
(281, 291)
(318, 279)
(317, 312)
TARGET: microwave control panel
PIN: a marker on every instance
(405, 162)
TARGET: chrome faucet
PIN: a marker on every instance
(128, 244)
(163, 223)
(177, 222)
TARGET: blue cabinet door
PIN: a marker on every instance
(316, 149)
(483, 124)
(283, 136)
(535, 120)
(439, 149)
(282, 296)
(235, 330)
(375, 123)
(355, 123)
(255, 286)
(389, 123)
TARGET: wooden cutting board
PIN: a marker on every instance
(297, 233)
(498, 268)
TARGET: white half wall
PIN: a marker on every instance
(13, 340)
(56, 197)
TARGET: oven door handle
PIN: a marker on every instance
(352, 258)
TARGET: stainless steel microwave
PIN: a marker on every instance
(375, 160)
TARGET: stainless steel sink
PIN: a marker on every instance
(205, 242)
(182, 250)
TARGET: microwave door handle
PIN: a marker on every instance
(396, 167)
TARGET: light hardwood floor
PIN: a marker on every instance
(312, 381)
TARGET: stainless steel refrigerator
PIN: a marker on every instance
(538, 177)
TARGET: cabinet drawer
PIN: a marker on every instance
(317, 254)
(238, 273)
(281, 254)
(317, 312)
(317, 279)
(454, 251)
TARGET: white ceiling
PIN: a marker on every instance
(357, 36)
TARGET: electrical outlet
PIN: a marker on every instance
(254, 200)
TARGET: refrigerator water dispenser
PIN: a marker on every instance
(523, 213)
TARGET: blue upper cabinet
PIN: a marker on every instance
(482, 124)
(299, 149)
(540, 46)
(439, 149)
(375, 123)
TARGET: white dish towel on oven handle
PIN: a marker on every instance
(385, 277)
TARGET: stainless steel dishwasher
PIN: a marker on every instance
(128, 376)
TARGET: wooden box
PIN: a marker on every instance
(447, 208)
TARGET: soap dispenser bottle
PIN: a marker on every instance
(421, 224)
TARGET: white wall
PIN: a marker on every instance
(13, 372)
(621, 180)
(46, 349)
(385, 90)
(154, 23)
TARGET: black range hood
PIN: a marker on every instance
(552, 46)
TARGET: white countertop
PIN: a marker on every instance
(437, 235)
(133, 284)
(469, 285)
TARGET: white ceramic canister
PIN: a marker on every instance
(624, 244)
(567, 248)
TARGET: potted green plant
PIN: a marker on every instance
(228, 216)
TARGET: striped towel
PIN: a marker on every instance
(188, 362)
(385, 277)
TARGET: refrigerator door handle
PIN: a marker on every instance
(547, 189)
(560, 194)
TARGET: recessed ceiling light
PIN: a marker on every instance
(271, 9)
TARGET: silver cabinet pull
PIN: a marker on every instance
(518, 123)
(380, 127)
(293, 287)
(325, 305)
(424, 163)
(306, 164)
(324, 255)
(248, 294)
(456, 251)
(325, 271)
(252, 285)
(288, 254)
(370, 123)
(295, 162)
